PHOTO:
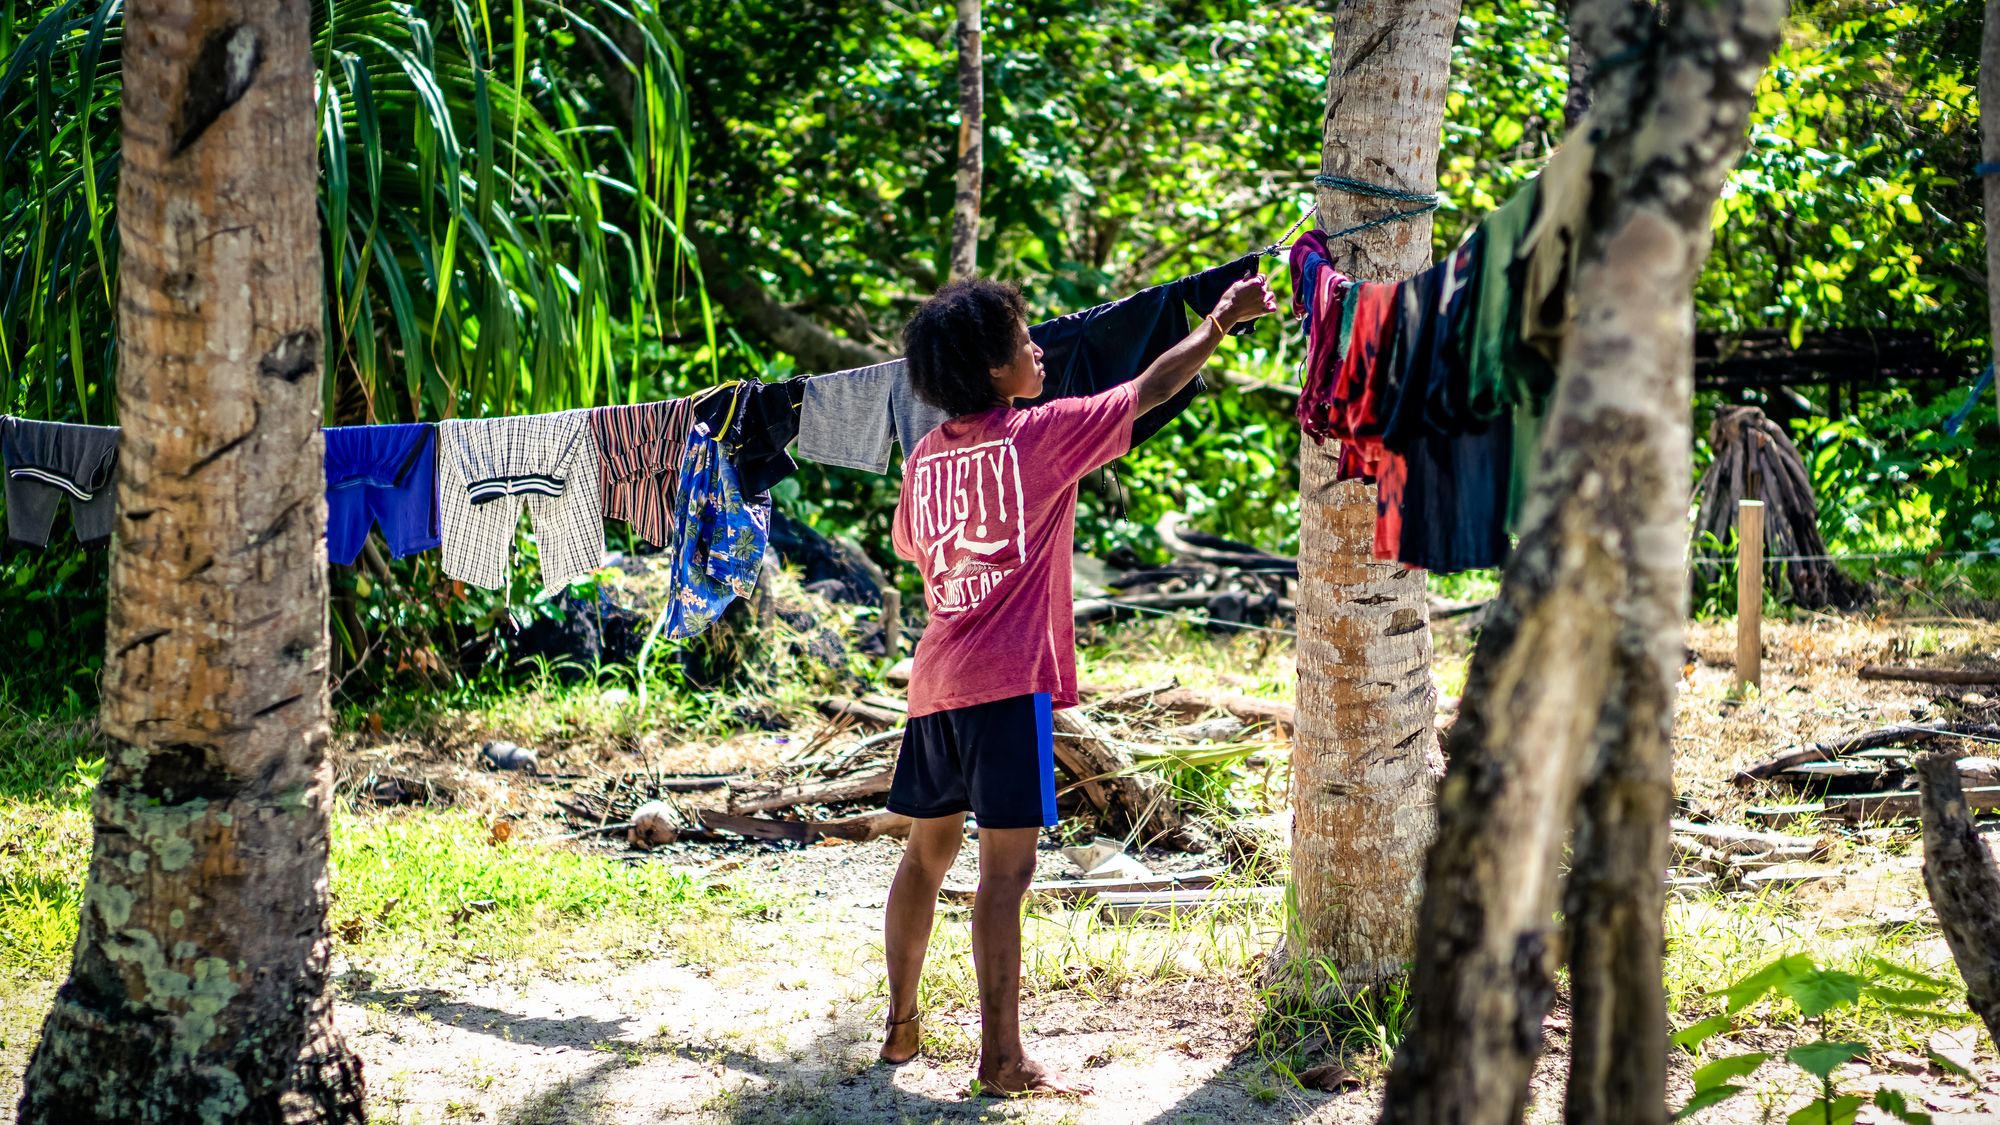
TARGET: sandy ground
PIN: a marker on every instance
(789, 1034)
(786, 1030)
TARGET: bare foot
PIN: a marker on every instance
(902, 1042)
(1025, 1077)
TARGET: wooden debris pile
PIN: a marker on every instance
(835, 783)
(1726, 857)
(1754, 459)
(1869, 777)
(1122, 889)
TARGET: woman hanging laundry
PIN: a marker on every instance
(988, 515)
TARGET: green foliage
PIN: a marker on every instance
(1855, 206)
(505, 195)
(1815, 992)
(52, 616)
(488, 237)
(1127, 143)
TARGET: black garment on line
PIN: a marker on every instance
(766, 422)
(45, 463)
(1100, 348)
(1458, 468)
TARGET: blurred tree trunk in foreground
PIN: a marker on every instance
(1575, 670)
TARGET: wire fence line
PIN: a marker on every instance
(1201, 617)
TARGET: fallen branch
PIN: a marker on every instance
(1077, 890)
(1733, 842)
(866, 826)
(1964, 677)
(1193, 702)
(1867, 740)
(1964, 885)
(820, 793)
(1907, 803)
(861, 712)
(698, 782)
(756, 827)
(1127, 906)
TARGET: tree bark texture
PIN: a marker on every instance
(1989, 153)
(1365, 757)
(971, 113)
(1575, 671)
(197, 990)
(1964, 883)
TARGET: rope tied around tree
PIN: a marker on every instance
(1425, 201)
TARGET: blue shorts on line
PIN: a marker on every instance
(381, 475)
(995, 760)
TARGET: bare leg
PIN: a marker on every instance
(1006, 867)
(906, 931)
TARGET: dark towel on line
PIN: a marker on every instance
(767, 419)
(49, 462)
(1099, 348)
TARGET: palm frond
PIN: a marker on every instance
(488, 230)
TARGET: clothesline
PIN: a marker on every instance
(691, 475)
(1862, 557)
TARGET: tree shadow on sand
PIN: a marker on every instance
(743, 1088)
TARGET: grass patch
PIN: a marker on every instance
(1078, 952)
(1155, 650)
(47, 772)
(416, 889)
(424, 890)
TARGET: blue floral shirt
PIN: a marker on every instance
(720, 538)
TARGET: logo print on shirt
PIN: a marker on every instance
(968, 520)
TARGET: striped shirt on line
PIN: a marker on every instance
(639, 452)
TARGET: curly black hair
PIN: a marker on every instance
(956, 339)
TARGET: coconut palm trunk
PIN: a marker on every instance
(1989, 154)
(198, 988)
(1575, 671)
(1366, 751)
(971, 133)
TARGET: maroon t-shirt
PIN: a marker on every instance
(988, 514)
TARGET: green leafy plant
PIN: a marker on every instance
(489, 234)
(1818, 994)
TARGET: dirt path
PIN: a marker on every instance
(788, 1032)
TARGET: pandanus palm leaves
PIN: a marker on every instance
(488, 230)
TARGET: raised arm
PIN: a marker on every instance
(1246, 300)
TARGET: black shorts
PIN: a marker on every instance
(996, 760)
